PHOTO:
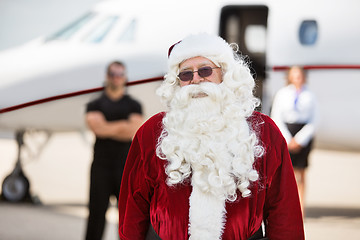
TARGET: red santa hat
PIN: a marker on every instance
(202, 44)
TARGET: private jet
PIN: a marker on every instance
(46, 83)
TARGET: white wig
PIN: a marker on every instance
(236, 73)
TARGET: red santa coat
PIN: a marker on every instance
(145, 196)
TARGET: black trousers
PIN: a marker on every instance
(104, 182)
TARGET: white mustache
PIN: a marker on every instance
(206, 89)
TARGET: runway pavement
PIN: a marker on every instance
(48, 222)
(59, 178)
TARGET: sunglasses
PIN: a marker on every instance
(112, 74)
(189, 75)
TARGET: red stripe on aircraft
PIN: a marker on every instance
(320, 67)
(73, 94)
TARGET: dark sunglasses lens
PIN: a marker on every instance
(205, 71)
(186, 75)
(111, 74)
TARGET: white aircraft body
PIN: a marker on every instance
(45, 84)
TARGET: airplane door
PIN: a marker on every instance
(247, 26)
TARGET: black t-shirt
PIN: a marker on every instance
(109, 151)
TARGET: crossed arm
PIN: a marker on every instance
(121, 130)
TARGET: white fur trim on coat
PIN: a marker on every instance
(207, 216)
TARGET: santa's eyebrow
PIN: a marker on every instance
(185, 68)
(198, 65)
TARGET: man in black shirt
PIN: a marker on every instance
(114, 118)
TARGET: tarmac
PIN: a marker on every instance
(59, 183)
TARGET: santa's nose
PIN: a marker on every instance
(196, 78)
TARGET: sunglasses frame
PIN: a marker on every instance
(198, 71)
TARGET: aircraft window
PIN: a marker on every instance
(101, 30)
(69, 31)
(255, 38)
(308, 32)
(128, 34)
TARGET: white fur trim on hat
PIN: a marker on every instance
(202, 44)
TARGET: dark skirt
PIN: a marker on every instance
(300, 159)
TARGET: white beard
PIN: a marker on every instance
(207, 135)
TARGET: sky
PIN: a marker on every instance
(24, 20)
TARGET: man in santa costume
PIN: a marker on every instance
(210, 167)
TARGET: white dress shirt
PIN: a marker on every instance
(292, 106)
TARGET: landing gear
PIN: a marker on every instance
(16, 186)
